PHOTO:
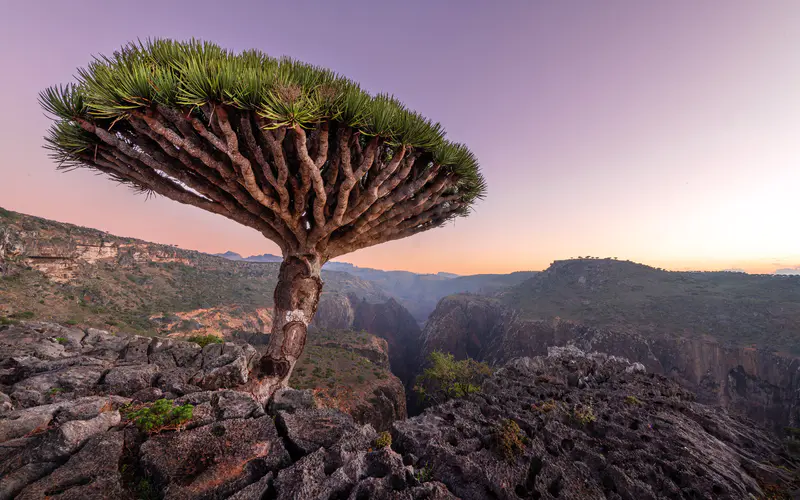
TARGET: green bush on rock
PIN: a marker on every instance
(204, 340)
(445, 378)
(509, 440)
(158, 416)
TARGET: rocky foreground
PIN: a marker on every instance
(568, 425)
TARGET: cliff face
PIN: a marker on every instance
(349, 371)
(62, 257)
(386, 319)
(762, 385)
(575, 426)
(736, 308)
(391, 321)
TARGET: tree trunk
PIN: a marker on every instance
(296, 299)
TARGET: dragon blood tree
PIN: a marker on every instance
(294, 151)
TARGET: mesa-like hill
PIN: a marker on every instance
(715, 333)
(735, 308)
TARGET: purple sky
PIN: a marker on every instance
(662, 132)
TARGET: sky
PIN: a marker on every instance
(667, 133)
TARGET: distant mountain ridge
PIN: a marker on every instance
(417, 292)
(735, 308)
(331, 266)
(267, 257)
(732, 338)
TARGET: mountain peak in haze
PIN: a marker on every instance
(266, 257)
(229, 255)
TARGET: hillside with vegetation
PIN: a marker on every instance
(51, 271)
(735, 308)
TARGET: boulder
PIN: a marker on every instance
(14, 482)
(235, 404)
(71, 435)
(90, 474)
(291, 400)
(21, 422)
(255, 491)
(215, 460)
(224, 365)
(309, 430)
(126, 380)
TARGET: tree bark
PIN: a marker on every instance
(296, 299)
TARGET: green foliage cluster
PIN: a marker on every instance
(384, 439)
(583, 415)
(633, 400)
(424, 474)
(157, 416)
(8, 321)
(509, 440)
(445, 378)
(204, 340)
(285, 92)
(61, 340)
(545, 407)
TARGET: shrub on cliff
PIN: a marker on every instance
(445, 378)
(204, 340)
(509, 440)
(160, 415)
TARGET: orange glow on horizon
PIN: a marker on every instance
(636, 130)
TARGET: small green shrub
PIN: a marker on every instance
(145, 490)
(424, 474)
(204, 340)
(632, 400)
(583, 415)
(545, 407)
(384, 439)
(71, 322)
(61, 340)
(160, 415)
(55, 390)
(445, 378)
(7, 321)
(509, 440)
(23, 315)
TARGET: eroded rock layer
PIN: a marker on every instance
(762, 385)
(576, 426)
(569, 426)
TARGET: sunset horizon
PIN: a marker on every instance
(599, 137)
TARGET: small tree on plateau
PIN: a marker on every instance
(294, 151)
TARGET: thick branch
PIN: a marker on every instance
(311, 171)
(188, 145)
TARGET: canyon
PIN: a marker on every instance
(729, 337)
